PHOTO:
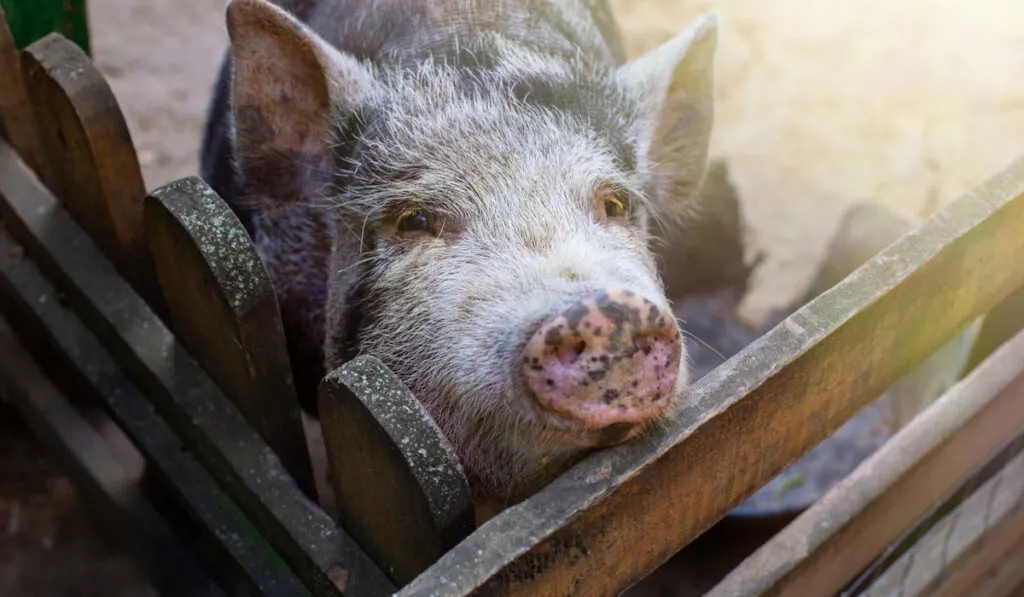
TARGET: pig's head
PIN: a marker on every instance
(490, 225)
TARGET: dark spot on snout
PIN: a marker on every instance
(575, 314)
(597, 375)
(618, 313)
(615, 339)
(611, 396)
(554, 336)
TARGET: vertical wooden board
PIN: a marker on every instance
(400, 489)
(223, 308)
(17, 121)
(325, 557)
(96, 171)
(828, 545)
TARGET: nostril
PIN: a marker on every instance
(644, 345)
(570, 353)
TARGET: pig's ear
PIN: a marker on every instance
(676, 83)
(288, 86)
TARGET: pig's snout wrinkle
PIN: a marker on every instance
(610, 361)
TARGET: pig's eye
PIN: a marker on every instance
(412, 221)
(615, 207)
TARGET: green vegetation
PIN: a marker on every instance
(30, 20)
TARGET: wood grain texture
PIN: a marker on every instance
(821, 551)
(953, 557)
(322, 555)
(111, 492)
(60, 339)
(17, 120)
(400, 489)
(96, 171)
(621, 512)
(998, 325)
(223, 309)
(1005, 578)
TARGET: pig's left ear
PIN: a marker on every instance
(288, 88)
(675, 81)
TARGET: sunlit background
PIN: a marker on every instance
(820, 103)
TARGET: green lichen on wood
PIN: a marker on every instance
(31, 20)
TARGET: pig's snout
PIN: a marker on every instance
(611, 359)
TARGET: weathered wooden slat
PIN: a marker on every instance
(829, 544)
(399, 487)
(1005, 579)
(1000, 324)
(976, 478)
(96, 171)
(864, 231)
(223, 308)
(953, 556)
(111, 491)
(32, 305)
(322, 555)
(621, 512)
(17, 121)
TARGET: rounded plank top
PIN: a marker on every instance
(400, 489)
(223, 308)
(95, 170)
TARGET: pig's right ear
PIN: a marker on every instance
(288, 86)
(675, 81)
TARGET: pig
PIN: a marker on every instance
(466, 189)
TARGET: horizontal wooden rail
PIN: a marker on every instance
(325, 557)
(112, 492)
(621, 512)
(952, 559)
(33, 307)
(829, 544)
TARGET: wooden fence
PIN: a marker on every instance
(153, 311)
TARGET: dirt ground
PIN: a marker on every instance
(909, 103)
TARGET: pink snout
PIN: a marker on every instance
(612, 359)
